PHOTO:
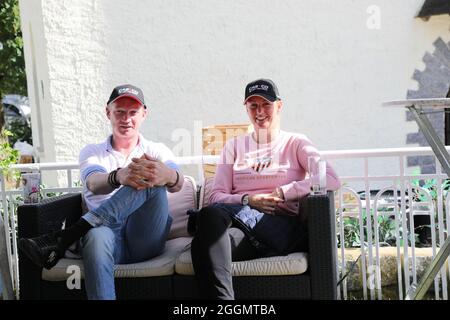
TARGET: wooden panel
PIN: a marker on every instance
(214, 138)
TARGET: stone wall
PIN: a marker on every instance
(433, 82)
(389, 266)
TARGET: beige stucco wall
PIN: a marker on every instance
(334, 63)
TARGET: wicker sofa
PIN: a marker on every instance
(302, 275)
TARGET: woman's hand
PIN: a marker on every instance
(278, 192)
(267, 203)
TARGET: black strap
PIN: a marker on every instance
(257, 244)
(348, 272)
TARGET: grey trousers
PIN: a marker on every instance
(215, 245)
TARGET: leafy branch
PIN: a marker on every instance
(8, 155)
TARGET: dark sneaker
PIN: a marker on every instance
(45, 251)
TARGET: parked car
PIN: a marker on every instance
(16, 109)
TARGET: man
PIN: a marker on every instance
(125, 180)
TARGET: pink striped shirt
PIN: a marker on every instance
(248, 167)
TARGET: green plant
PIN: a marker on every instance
(386, 230)
(12, 63)
(430, 185)
(48, 194)
(351, 233)
(20, 132)
(385, 227)
(8, 155)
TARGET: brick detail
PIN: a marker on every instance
(434, 82)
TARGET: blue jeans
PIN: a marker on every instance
(131, 226)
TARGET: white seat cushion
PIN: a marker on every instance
(161, 265)
(292, 264)
(179, 203)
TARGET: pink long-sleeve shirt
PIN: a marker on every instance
(246, 167)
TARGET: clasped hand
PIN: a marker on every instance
(144, 172)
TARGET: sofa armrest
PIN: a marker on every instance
(48, 215)
(37, 219)
(320, 215)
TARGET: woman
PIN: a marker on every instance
(259, 180)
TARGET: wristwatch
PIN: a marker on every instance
(244, 200)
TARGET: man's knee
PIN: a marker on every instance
(99, 240)
(159, 192)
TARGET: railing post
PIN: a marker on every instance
(404, 224)
(6, 265)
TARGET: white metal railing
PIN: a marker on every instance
(400, 208)
(401, 187)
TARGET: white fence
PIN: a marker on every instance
(375, 200)
(400, 198)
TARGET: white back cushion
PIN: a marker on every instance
(206, 191)
(179, 203)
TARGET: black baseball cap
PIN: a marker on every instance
(264, 88)
(127, 90)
